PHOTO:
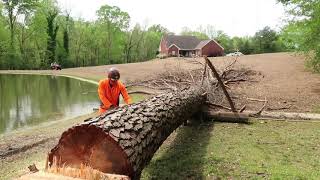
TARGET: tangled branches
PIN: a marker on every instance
(178, 79)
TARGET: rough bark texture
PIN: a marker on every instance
(124, 140)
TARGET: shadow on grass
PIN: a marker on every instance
(184, 157)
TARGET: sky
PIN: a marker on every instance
(234, 17)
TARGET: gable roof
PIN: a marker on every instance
(202, 44)
(205, 42)
(183, 42)
(187, 42)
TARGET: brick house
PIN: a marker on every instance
(188, 46)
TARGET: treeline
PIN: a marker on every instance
(36, 33)
(266, 40)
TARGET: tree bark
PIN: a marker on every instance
(124, 140)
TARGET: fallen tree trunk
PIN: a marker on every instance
(245, 116)
(73, 174)
(228, 117)
(289, 116)
(124, 140)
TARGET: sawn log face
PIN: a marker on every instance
(124, 140)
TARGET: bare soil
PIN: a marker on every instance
(286, 84)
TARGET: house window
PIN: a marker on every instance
(173, 53)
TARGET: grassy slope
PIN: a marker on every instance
(272, 150)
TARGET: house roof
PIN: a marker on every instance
(202, 44)
(205, 42)
(187, 42)
(183, 42)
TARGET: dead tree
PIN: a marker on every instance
(124, 140)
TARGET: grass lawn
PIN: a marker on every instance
(261, 150)
(316, 109)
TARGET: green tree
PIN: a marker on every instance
(63, 40)
(225, 41)
(243, 44)
(14, 8)
(306, 20)
(152, 40)
(37, 41)
(265, 40)
(4, 39)
(66, 34)
(52, 31)
(188, 32)
(113, 20)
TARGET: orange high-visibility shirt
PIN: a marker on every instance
(110, 95)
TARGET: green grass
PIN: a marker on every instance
(272, 150)
(316, 109)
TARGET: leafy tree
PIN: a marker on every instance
(157, 28)
(225, 41)
(52, 31)
(243, 44)
(37, 41)
(265, 40)
(306, 23)
(14, 8)
(113, 20)
(152, 40)
(63, 40)
(4, 39)
(66, 34)
(188, 32)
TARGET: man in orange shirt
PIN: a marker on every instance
(109, 91)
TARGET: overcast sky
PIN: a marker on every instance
(235, 17)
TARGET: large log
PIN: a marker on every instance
(124, 140)
(75, 175)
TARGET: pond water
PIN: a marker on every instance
(28, 100)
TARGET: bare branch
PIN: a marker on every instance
(221, 84)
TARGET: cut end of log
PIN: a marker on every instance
(71, 174)
(89, 145)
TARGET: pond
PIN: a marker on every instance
(28, 100)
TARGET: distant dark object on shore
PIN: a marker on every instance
(55, 66)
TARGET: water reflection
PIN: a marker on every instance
(31, 99)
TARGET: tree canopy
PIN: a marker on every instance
(302, 31)
(35, 33)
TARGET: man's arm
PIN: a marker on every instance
(103, 98)
(125, 95)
